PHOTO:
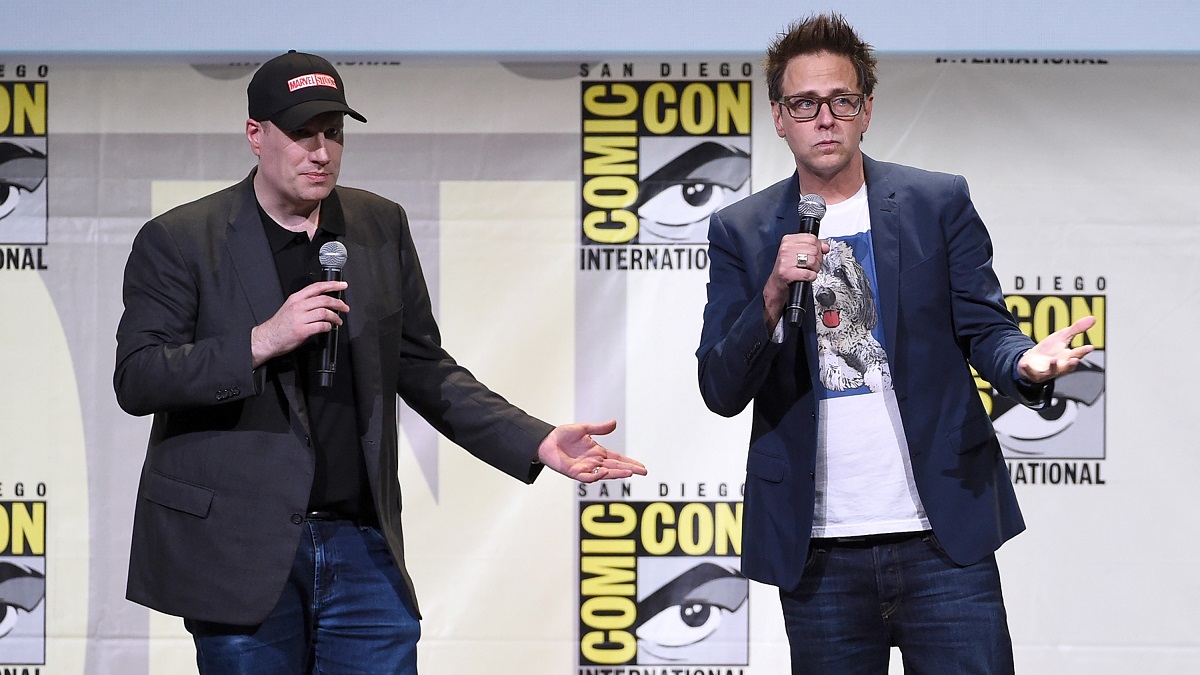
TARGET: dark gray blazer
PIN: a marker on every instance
(941, 307)
(228, 468)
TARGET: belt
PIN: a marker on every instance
(869, 540)
(368, 520)
(324, 515)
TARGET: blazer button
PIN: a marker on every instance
(297, 518)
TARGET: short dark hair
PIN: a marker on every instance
(819, 33)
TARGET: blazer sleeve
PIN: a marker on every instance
(447, 395)
(162, 363)
(736, 349)
(985, 329)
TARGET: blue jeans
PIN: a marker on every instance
(344, 609)
(857, 600)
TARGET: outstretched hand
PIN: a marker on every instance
(1054, 356)
(571, 451)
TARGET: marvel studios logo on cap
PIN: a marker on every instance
(292, 88)
(311, 80)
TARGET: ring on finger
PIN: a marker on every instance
(801, 260)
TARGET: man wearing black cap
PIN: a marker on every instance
(268, 513)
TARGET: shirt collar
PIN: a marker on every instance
(279, 238)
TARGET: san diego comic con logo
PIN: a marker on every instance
(660, 586)
(22, 582)
(23, 170)
(1064, 442)
(658, 158)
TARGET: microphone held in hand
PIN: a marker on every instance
(812, 209)
(333, 259)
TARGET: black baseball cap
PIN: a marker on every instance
(292, 88)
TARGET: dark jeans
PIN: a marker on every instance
(343, 610)
(857, 600)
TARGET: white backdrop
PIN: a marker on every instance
(1075, 178)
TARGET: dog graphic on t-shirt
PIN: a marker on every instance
(849, 354)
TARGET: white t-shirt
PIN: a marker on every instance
(864, 473)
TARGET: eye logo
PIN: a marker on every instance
(692, 614)
(675, 201)
(1027, 432)
(21, 591)
(22, 170)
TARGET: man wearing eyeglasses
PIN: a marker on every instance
(876, 492)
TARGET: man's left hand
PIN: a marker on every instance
(1054, 356)
(571, 451)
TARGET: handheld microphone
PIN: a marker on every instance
(333, 259)
(812, 209)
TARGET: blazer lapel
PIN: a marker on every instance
(254, 265)
(885, 231)
(362, 333)
(787, 221)
(802, 351)
(251, 254)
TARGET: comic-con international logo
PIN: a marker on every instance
(22, 582)
(658, 158)
(23, 211)
(660, 587)
(1062, 443)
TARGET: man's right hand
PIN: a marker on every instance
(305, 313)
(777, 292)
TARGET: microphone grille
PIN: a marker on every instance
(333, 254)
(812, 205)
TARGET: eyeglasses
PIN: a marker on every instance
(804, 108)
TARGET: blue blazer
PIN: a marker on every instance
(941, 307)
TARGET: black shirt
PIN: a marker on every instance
(340, 484)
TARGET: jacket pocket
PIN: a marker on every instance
(766, 467)
(176, 494)
(972, 435)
